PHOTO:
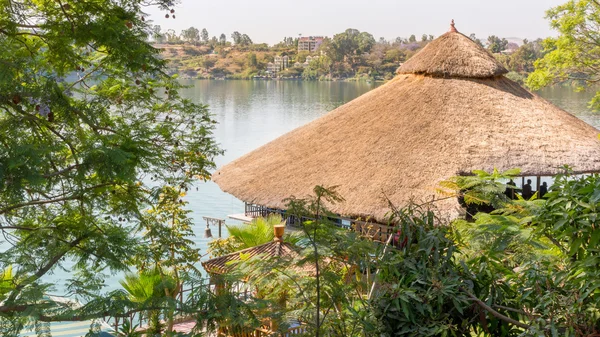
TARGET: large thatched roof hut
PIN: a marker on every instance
(449, 111)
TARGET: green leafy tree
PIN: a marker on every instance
(476, 40)
(245, 40)
(536, 259)
(91, 126)
(412, 38)
(344, 44)
(420, 291)
(424, 38)
(172, 36)
(222, 39)
(169, 249)
(321, 286)
(237, 37)
(349, 46)
(365, 42)
(157, 35)
(319, 66)
(395, 55)
(146, 289)
(191, 35)
(524, 58)
(496, 44)
(204, 35)
(573, 55)
(252, 60)
(6, 282)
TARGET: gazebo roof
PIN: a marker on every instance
(453, 55)
(274, 249)
(447, 112)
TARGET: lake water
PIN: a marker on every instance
(252, 113)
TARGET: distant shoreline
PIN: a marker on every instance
(348, 80)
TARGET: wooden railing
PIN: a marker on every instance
(299, 330)
(375, 231)
(256, 211)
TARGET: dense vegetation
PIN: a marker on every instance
(348, 55)
(528, 269)
(98, 149)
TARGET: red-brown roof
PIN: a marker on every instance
(221, 264)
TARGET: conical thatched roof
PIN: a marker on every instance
(453, 55)
(441, 116)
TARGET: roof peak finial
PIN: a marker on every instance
(452, 27)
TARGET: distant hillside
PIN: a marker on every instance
(373, 60)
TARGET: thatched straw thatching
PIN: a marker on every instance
(401, 139)
(453, 55)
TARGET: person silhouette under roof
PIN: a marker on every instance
(527, 191)
(543, 189)
(510, 189)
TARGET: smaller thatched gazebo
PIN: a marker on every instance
(449, 111)
(276, 249)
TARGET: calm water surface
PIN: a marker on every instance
(252, 113)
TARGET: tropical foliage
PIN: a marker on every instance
(147, 288)
(527, 268)
(257, 232)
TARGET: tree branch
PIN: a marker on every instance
(494, 312)
(65, 170)
(37, 202)
(42, 271)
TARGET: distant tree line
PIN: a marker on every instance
(349, 54)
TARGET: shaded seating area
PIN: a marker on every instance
(527, 187)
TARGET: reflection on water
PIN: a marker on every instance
(251, 114)
(576, 103)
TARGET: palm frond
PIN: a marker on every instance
(258, 232)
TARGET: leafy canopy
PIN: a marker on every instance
(91, 127)
(573, 55)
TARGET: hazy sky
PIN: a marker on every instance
(270, 20)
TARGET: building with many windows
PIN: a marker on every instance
(310, 43)
(280, 63)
